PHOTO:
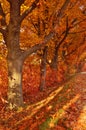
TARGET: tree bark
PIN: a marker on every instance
(15, 96)
(14, 58)
(54, 62)
(43, 69)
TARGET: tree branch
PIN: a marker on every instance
(10, 1)
(78, 32)
(2, 20)
(2, 31)
(73, 25)
(66, 33)
(28, 11)
(61, 11)
(21, 2)
(38, 46)
(59, 14)
(74, 50)
(1, 11)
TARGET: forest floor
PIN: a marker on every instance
(62, 107)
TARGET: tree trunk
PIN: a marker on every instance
(15, 96)
(54, 62)
(16, 56)
(43, 69)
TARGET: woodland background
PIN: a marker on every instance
(54, 83)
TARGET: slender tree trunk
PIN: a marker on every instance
(54, 63)
(15, 96)
(43, 69)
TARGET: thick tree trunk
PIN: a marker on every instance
(14, 58)
(15, 96)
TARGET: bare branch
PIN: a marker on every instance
(28, 11)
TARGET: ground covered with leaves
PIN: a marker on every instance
(61, 106)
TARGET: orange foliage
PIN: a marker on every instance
(42, 20)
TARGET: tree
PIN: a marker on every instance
(41, 26)
(73, 30)
(16, 56)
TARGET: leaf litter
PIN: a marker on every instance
(66, 110)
